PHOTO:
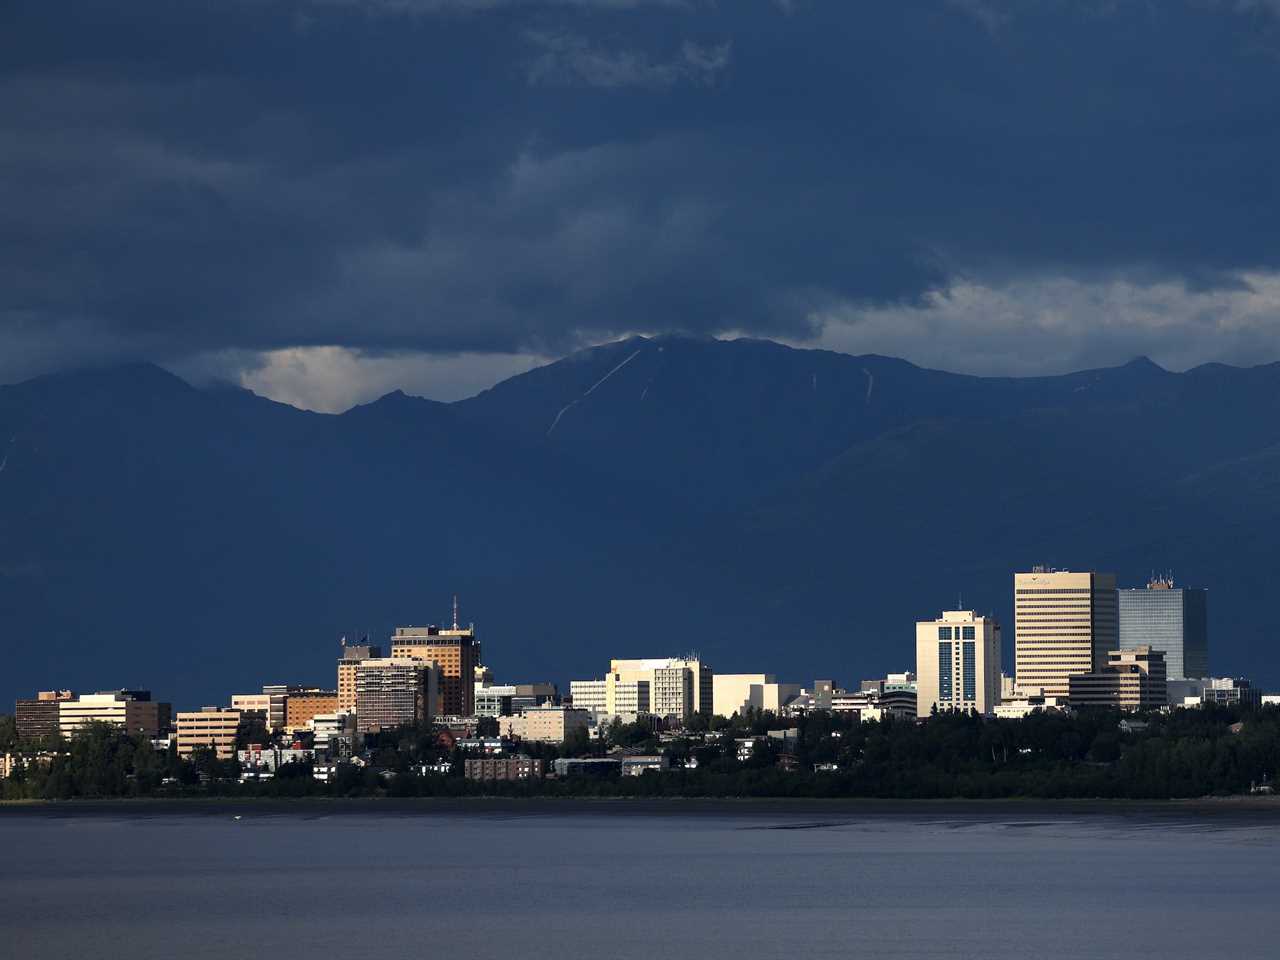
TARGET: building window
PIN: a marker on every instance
(969, 674)
(968, 633)
(944, 669)
(944, 633)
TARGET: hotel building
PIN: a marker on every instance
(957, 663)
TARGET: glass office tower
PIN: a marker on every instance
(1168, 618)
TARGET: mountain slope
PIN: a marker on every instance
(647, 496)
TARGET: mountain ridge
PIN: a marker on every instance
(639, 497)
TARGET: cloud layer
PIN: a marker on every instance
(444, 178)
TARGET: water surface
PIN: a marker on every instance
(713, 883)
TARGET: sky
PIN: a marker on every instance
(325, 200)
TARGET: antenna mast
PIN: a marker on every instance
(455, 611)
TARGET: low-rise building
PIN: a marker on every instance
(586, 766)
(1230, 691)
(37, 718)
(1133, 679)
(257, 756)
(133, 711)
(490, 746)
(503, 768)
(1025, 706)
(737, 692)
(302, 706)
(211, 728)
(546, 724)
(634, 766)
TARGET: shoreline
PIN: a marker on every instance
(1251, 807)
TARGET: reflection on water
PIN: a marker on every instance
(622, 884)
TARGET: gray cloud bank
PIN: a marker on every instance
(200, 184)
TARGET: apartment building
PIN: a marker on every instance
(504, 768)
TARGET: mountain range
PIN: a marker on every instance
(774, 509)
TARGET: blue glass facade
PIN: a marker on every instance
(944, 667)
(969, 670)
(1173, 620)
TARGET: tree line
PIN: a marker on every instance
(1185, 753)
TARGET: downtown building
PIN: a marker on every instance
(668, 688)
(456, 654)
(737, 692)
(957, 663)
(37, 718)
(505, 700)
(133, 711)
(210, 728)
(348, 663)
(1171, 619)
(1065, 623)
(393, 692)
(545, 724)
(1131, 680)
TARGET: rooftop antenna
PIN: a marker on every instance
(455, 611)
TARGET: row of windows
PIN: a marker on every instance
(960, 633)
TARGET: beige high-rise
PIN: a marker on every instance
(957, 663)
(455, 652)
(1065, 623)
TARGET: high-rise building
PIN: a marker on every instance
(455, 652)
(1168, 618)
(393, 691)
(37, 718)
(132, 710)
(347, 663)
(503, 700)
(213, 728)
(957, 663)
(1064, 623)
(1131, 680)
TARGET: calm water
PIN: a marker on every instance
(513, 882)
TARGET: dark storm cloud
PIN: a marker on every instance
(488, 176)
